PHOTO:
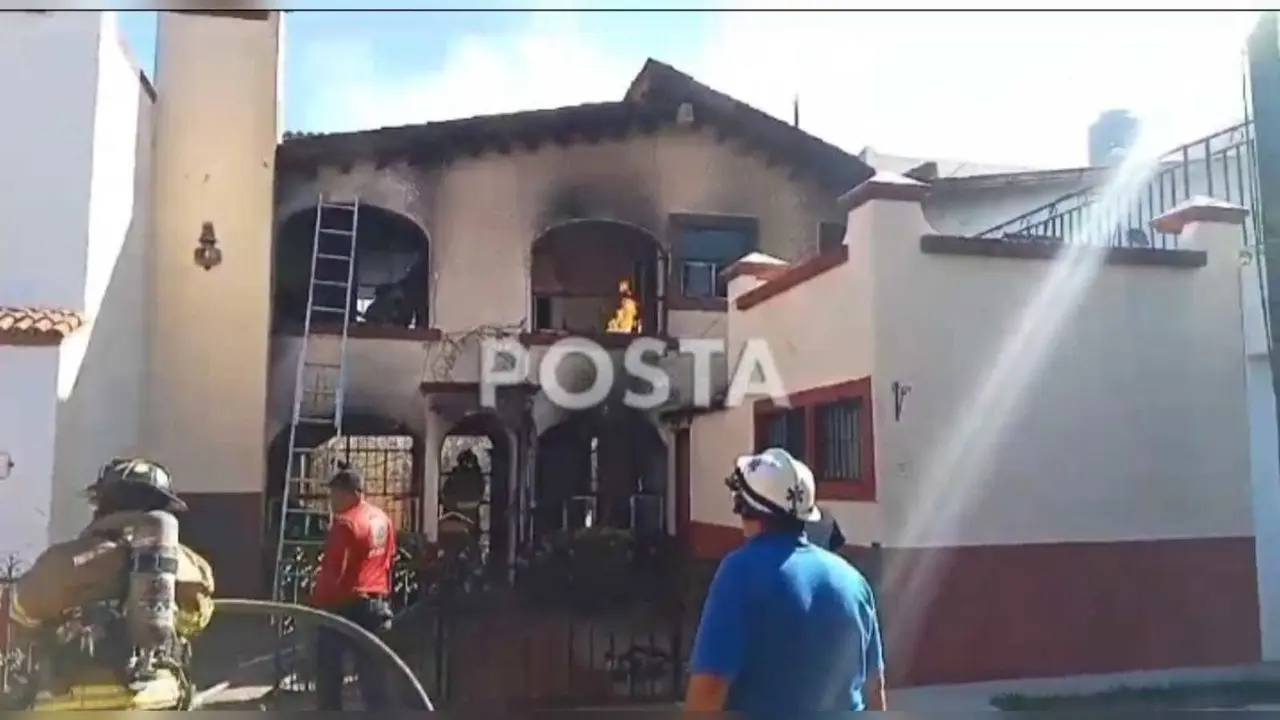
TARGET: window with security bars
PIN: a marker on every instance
(838, 441)
(386, 464)
(785, 429)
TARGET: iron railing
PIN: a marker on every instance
(591, 617)
(15, 658)
(1218, 166)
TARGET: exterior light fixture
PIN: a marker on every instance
(207, 255)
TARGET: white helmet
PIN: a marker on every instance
(774, 483)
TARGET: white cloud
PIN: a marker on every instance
(1016, 88)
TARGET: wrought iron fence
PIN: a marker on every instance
(1218, 166)
(16, 659)
(588, 617)
(592, 617)
(297, 577)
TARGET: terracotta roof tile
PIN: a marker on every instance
(37, 325)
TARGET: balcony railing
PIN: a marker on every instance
(1220, 166)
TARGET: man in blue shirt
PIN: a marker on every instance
(787, 626)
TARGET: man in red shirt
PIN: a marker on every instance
(353, 582)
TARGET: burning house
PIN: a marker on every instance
(994, 417)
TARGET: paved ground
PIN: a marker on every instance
(235, 666)
(977, 696)
(237, 651)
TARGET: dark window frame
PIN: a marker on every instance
(714, 282)
(794, 431)
(680, 223)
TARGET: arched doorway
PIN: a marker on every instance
(579, 269)
(601, 468)
(475, 491)
(388, 456)
(390, 284)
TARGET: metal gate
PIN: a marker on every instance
(393, 482)
(593, 617)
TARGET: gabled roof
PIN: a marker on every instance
(660, 85)
(653, 100)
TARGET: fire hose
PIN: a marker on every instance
(350, 630)
(265, 608)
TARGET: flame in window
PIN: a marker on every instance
(626, 319)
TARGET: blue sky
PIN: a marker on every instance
(1011, 88)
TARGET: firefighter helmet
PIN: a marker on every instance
(135, 477)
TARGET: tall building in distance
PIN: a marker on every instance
(1110, 137)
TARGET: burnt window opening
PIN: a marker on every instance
(473, 508)
(601, 470)
(387, 280)
(597, 276)
(705, 252)
(830, 236)
(386, 456)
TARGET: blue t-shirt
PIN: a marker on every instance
(792, 627)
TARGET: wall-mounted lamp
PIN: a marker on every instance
(207, 255)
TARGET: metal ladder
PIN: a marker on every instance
(333, 251)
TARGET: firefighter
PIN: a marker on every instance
(353, 582)
(113, 611)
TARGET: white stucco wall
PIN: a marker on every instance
(49, 75)
(816, 335)
(973, 205)
(28, 384)
(216, 127)
(1051, 400)
(958, 209)
(103, 366)
(74, 201)
(1057, 401)
(954, 208)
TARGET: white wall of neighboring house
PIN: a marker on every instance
(74, 226)
(103, 366)
(967, 208)
(48, 77)
(1050, 389)
(972, 205)
(28, 382)
(1074, 412)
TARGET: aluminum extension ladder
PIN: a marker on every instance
(329, 300)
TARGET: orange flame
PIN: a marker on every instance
(626, 319)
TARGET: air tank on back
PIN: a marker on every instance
(151, 601)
